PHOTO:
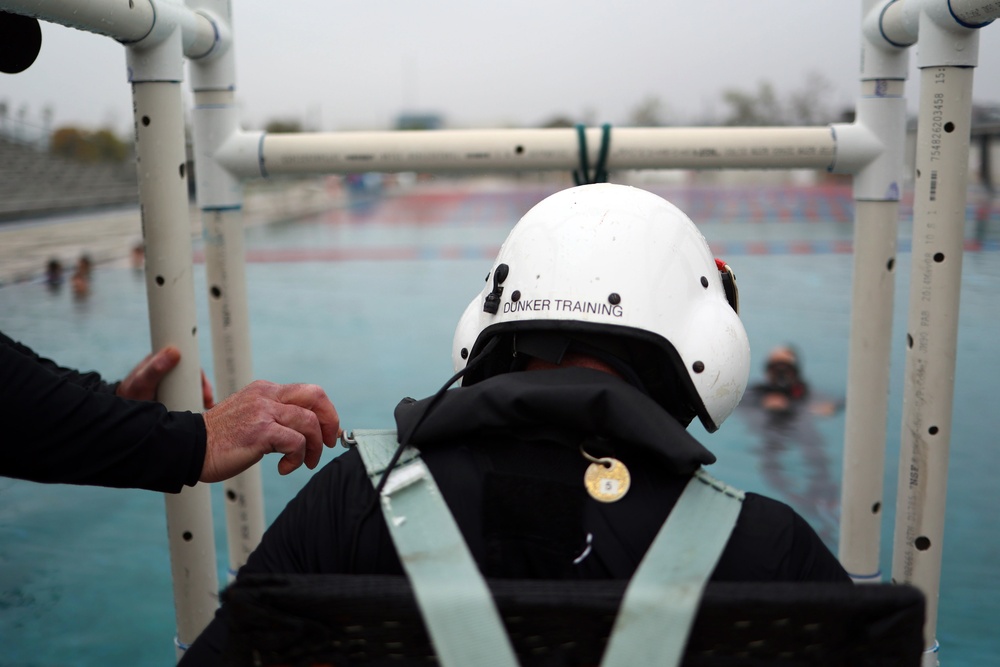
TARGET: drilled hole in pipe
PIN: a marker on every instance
(933, 430)
(519, 150)
(909, 340)
(231, 495)
(194, 331)
(939, 257)
(949, 127)
(215, 291)
(704, 282)
(182, 169)
(876, 507)
(145, 120)
(698, 367)
(922, 543)
(187, 536)
(160, 280)
(918, 173)
(465, 353)
(891, 263)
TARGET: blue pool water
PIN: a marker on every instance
(84, 572)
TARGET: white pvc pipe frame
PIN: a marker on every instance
(159, 32)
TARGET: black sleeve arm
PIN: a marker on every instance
(67, 427)
(90, 380)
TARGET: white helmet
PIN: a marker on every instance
(621, 263)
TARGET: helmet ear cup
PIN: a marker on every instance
(729, 284)
(716, 358)
(466, 334)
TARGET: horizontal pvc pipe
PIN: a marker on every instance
(254, 154)
(124, 21)
(128, 22)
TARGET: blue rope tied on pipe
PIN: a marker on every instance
(582, 176)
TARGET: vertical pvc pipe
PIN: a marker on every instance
(155, 73)
(220, 198)
(873, 287)
(932, 331)
(225, 274)
(877, 188)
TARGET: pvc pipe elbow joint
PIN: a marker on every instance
(947, 31)
(242, 154)
(176, 31)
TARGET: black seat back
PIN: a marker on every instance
(374, 620)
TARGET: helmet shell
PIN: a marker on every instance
(618, 260)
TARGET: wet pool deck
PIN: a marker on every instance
(108, 236)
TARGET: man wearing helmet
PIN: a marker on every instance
(604, 327)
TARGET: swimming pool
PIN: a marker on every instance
(363, 301)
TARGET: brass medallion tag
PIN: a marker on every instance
(607, 480)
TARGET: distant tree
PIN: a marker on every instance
(809, 106)
(68, 142)
(282, 126)
(85, 146)
(805, 106)
(419, 121)
(752, 109)
(558, 121)
(108, 147)
(648, 113)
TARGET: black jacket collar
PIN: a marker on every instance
(565, 405)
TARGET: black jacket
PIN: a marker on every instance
(68, 427)
(506, 455)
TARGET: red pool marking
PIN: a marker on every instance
(331, 254)
(361, 254)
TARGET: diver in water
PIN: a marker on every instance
(785, 389)
(782, 411)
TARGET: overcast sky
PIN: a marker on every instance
(334, 65)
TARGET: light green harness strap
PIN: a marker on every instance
(662, 598)
(458, 609)
(659, 605)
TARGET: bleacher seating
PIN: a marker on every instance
(35, 183)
